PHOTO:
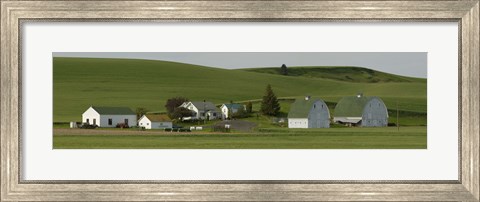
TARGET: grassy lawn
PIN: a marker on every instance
(272, 138)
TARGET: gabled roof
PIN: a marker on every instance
(207, 106)
(158, 117)
(352, 106)
(114, 110)
(301, 107)
(234, 106)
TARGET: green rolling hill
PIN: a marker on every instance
(81, 82)
(348, 74)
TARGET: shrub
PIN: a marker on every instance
(121, 125)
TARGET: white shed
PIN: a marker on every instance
(229, 109)
(309, 113)
(109, 117)
(155, 121)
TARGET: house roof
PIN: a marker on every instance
(113, 110)
(233, 106)
(352, 106)
(301, 107)
(208, 106)
(157, 117)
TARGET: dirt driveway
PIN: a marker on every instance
(244, 126)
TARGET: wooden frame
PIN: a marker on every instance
(13, 13)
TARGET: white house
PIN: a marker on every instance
(229, 109)
(201, 110)
(361, 111)
(309, 113)
(109, 117)
(155, 121)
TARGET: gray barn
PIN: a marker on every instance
(361, 111)
(309, 113)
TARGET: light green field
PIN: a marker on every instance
(81, 82)
(331, 138)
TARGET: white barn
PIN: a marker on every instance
(229, 109)
(155, 121)
(109, 117)
(361, 111)
(201, 110)
(309, 113)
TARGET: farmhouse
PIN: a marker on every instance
(109, 117)
(232, 108)
(201, 110)
(309, 113)
(155, 121)
(361, 111)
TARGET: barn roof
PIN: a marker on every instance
(301, 107)
(114, 110)
(234, 106)
(352, 106)
(208, 106)
(157, 117)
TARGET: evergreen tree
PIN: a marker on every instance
(283, 70)
(270, 105)
(249, 107)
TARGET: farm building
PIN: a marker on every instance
(232, 108)
(201, 110)
(155, 121)
(361, 111)
(309, 113)
(109, 117)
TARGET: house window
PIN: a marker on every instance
(109, 122)
(126, 121)
(214, 114)
(94, 121)
(314, 106)
(203, 114)
(88, 121)
(148, 124)
(141, 124)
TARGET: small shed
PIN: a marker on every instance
(155, 121)
(309, 113)
(365, 111)
(229, 109)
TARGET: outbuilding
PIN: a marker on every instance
(155, 121)
(360, 110)
(309, 113)
(109, 117)
(229, 109)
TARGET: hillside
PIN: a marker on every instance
(348, 74)
(81, 82)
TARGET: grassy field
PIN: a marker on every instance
(81, 82)
(331, 138)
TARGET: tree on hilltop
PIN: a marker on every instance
(283, 70)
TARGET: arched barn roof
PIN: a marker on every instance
(352, 106)
(301, 107)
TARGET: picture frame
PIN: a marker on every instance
(14, 13)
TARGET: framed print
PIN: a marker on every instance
(239, 100)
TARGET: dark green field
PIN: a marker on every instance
(81, 82)
(331, 138)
